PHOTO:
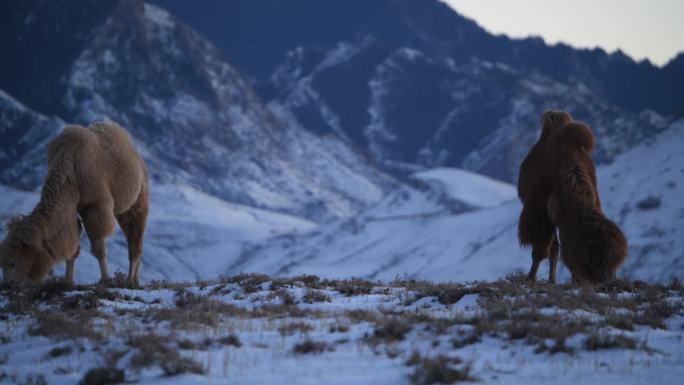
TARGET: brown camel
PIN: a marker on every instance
(534, 227)
(94, 173)
(558, 188)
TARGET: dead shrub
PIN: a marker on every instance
(58, 351)
(309, 346)
(250, 283)
(449, 297)
(607, 341)
(193, 309)
(230, 340)
(58, 325)
(187, 344)
(285, 296)
(102, 376)
(291, 328)
(465, 339)
(152, 349)
(392, 329)
(338, 328)
(313, 295)
(439, 370)
(351, 287)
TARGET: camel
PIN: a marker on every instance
(558, 187)
(534, 227)
(93, 173)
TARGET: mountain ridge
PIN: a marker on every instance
(194, 117)
(329, 64)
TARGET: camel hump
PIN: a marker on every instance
(555, 118)
(577, 134)
(110, 131)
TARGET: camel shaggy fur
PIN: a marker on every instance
(534, 227)
(558, 187)
(94, 173)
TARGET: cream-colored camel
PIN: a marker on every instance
(94, 173)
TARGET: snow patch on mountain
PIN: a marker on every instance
(473, 189)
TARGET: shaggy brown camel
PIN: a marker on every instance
(534, 227)
(94, 173)
(558, 189)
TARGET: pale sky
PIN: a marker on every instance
(640, 28)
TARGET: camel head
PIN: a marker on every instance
(600, 272)
(19, 259)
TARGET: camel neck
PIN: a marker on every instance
(57, 206)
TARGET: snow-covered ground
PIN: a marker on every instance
(413, 233)
(258, 330)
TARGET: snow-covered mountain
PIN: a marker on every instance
(412, 233)
(418, 85)
(25, 135)
(194, 117)
(292, 185)
(409, 107)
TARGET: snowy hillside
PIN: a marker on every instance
(25, 134)
(411, 233)
(190, 235)
(473, 189)
(454, 226)
(194, 117)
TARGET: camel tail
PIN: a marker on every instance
(605, 244)
(577, 134)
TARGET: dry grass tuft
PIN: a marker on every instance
(313, 295)
(608, 341)
(291, 328)
(392, 329)
(230, 340)
(309, 346)
(152, 349)
(103, 376)
(350, 287)
(438, 370)
(57, 324)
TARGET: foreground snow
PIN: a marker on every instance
(253, 329)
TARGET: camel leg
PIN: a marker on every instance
(132, 223)
(537, 257)
(69, 274)
(98, 223)
(540, 250)
(99, 250)
(553, 259)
